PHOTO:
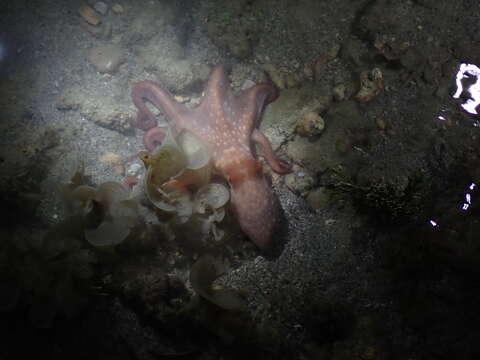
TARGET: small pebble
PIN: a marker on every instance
(381, 123)
(181, 99)
(311, 124)
(110, 158)
(101, 7)
(117, 9)
(89, 15)
(134, 169)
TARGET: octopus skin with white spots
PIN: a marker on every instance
(226, 124)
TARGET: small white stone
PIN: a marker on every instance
(134, 169)
(101, 7)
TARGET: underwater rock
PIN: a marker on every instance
(307, 153)
(106, 58)
(310, 124)
(371, 84)
(108, 117)
(275, 75)
(300, 181)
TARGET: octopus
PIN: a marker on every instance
(227, 123)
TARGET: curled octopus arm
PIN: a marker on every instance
(278, 165)
(160, 98)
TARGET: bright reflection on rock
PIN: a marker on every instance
(469, 76)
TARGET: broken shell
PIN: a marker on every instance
(213, 196)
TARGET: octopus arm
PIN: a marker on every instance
(253, 101)
(278, 165)
(161, 99)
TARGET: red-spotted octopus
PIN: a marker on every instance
(227, 124)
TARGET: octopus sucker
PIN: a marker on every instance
(227, 125)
